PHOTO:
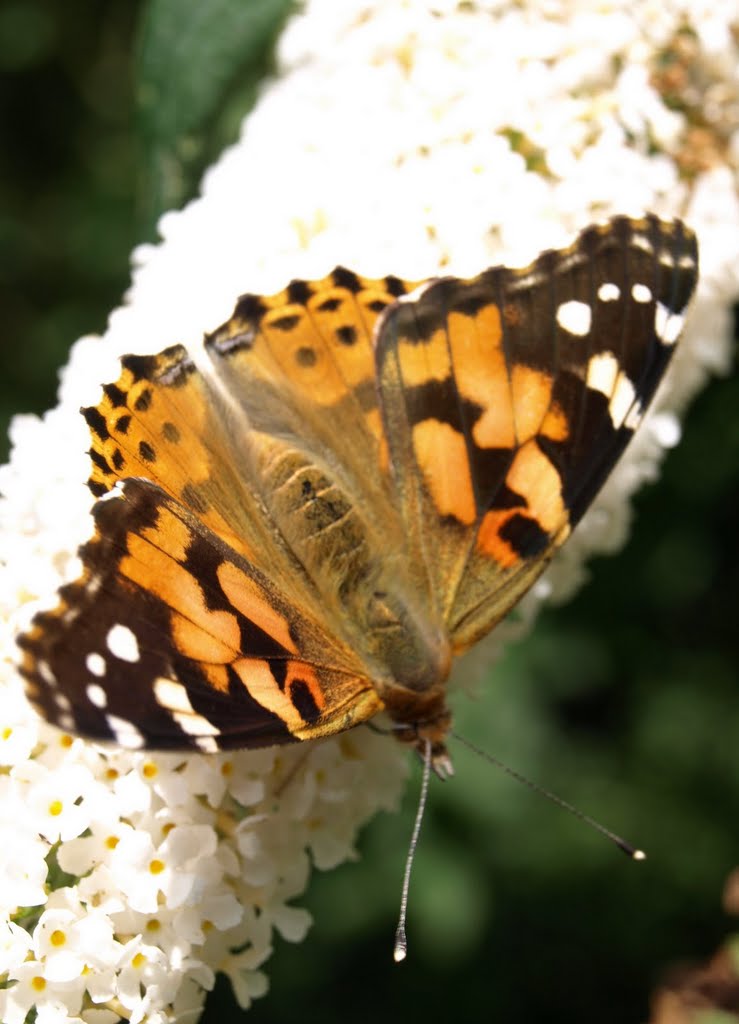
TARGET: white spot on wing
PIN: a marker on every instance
(62, 701)
(640, 293)
(667, 324)
(606, 376)
(173, 697)
(65, 721)
(621, 400)
(636, 412)
(574, 317)
(195, 725)
(97, 695)
(609, 292)
(95, 664)
(126, 734)
(642, 242)
(602, 373)
(121, 642)
(207, 744)
(44, 670)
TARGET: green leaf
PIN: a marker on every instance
(198, 68)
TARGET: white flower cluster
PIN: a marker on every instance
(127, 881)
(399, 137)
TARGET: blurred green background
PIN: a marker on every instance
(625, 701)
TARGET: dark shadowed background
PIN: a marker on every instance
(625, 701)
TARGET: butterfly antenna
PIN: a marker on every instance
(401, 943)
(627, 848)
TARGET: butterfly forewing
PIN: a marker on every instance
(172, 640)
(508, 398)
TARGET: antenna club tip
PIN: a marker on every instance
(399, 953)
(638, 855)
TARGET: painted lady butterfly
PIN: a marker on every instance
(369, 476)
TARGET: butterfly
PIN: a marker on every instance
(360, 480)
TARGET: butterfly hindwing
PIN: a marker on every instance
(300, 364)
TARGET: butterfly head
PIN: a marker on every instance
(420, 720)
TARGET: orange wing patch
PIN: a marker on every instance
(442, 453)
(157, 422)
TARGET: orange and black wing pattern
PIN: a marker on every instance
(507, 399)
(355, 480)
